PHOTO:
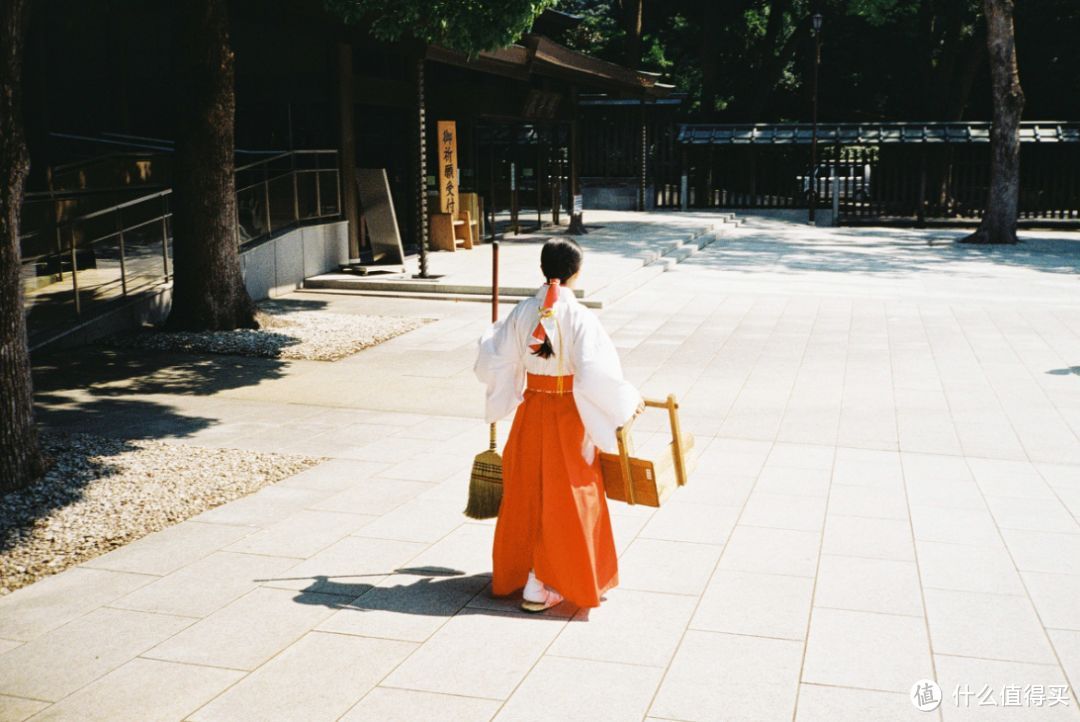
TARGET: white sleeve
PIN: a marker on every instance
(604, 398)
(500, 365)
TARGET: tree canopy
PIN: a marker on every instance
(469, 26)
(750, 60)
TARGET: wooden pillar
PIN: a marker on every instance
(644, 164)
(513, 192)
(538, 176)
(684, 182)
(491, 178)
(577, 222)
(920, 210)
(556, 178)
(421, 171)
(710, 182)
(347, 153)
(513, 180)
(751, 161)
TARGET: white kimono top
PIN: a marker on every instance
(604, 399)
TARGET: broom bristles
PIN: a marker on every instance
(485, 486)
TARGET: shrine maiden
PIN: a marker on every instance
(552, 362)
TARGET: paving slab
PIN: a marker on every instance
(319, 677)
(887, 489)
(61, 661)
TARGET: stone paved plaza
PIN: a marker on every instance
(887, 489)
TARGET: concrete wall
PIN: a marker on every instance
(281, 264)
(612, 194)
(273, 268)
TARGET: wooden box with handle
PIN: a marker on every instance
(647, 481)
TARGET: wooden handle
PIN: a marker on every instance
(622, 433)
(494, 281)
(624, 464)
(677, 440)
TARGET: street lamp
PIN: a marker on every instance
(815, 30)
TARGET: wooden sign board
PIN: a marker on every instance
(375, 199)
(447, 175)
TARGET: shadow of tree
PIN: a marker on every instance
(103, 371)
(102, 391)
(1070, 371)
(780, 246)
(20, 509)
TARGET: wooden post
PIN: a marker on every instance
(538, 175)
(347, 154)
(644, 159)
(421, 171)
(751, 161)
(710, 182)
(577, 222)
(684, 183)
(920, 210)
(556, 182)
(491, 178)
(835, 190)
(513, 194)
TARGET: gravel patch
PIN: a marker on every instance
(101, 493)
(285, 333)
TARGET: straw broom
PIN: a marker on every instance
(486, 480)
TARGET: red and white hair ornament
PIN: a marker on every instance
(539, 335)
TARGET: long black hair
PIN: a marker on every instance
(559, 258)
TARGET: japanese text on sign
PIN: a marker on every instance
(447, 176)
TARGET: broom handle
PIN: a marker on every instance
(492, 446)
(494, 281)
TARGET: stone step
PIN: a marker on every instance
(463, 297)
(653, 263)
(367, 284)
(627, 284)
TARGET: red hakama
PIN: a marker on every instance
(554, 516)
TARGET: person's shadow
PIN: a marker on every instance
(437, 591)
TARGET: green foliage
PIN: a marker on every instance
(469, 26)
(881, 12)
(881, 59)
(599, 33)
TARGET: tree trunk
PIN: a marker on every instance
(20, 455)
(208, 289)
(632, 10)
(956, 103)
(1002, 204)
(772, 61)
(710, 58)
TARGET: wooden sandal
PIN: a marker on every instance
(552, 599)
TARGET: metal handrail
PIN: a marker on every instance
(67, 194)
(64, 167)
(71, 248)
(286, 154)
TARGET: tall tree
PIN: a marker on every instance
(208, 289)
(632, 18)
(20, 454)
(710, 58)
(998, 223)
(469, 26)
